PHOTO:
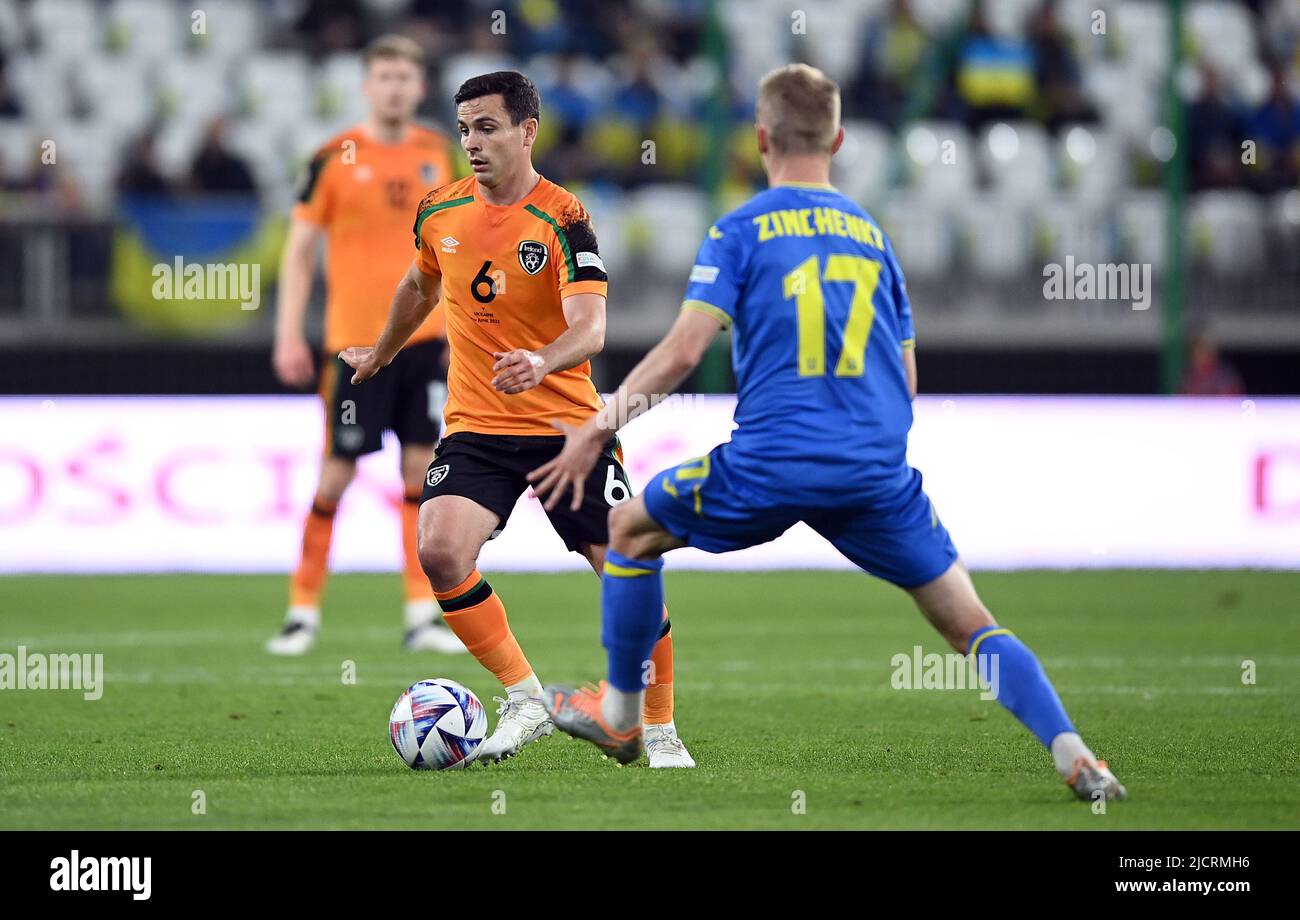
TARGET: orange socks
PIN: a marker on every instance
(308, 581)
(659, 693)
(477, 616)
(414, 580)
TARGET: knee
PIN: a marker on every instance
(445, 564)
(336, 475)
(628, 536)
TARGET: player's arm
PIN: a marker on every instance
(660, 372)
(520, 369)
(909, 365)
(292, 357)
(413, 301)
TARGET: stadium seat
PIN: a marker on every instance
(940, 159)
(193, 90)
(937, 16)
(1223, 35)
(861, 168)
(338, 87)
(1007, 18)
(18, 148)
(1142, 227)
(277, 86)
(265, 149)
(116, 90)
(91, 152)
(1017, 158)
(922, 232)
(670, 221)
(1227, 232)
(66, 29)
(42, 82)
(1143, 30)
(1072, 225)
(995, 234)
(1127, 103)
(146, 29)
(13, 32)
(1091, 162)
(234, 29)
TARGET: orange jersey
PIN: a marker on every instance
(506, 270)
(361, 192)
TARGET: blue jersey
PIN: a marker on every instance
(818, 305)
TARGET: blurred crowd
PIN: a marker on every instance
(614, 73)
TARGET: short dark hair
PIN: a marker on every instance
(517, 91)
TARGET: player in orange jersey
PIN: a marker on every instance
(524, 288)
(357, 196)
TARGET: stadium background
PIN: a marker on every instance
(991, 139)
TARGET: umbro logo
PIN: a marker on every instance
(437, 474)
(449, 244)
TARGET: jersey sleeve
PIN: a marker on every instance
(715, 281)
(578, 268)
(906, 329)
(426, 255)
(315, 196)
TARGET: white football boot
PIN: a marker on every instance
(665, 749)
(522, 721)
(427, 632)
(299, 633)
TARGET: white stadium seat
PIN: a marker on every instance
(1227, 232)
(672, 221)
(1017, 157)
(995, 233)
(922, 232)
(940, 158)
(1142, 227)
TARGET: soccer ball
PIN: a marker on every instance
(437, 725)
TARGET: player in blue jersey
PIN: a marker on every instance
(824, 356)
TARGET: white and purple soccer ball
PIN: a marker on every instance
(437, 725)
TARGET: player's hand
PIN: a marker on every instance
(517, 370)
(292, 361)
(363, 361)
(571, 466)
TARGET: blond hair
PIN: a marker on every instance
(388, 47)
(800, 107)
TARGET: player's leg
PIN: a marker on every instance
(425, 629)
(632, 604)
(951, 604)
(416, 419)
(904, 542)
(586, 531)
(693, 503)
(664, 748)
(307, 584)
(469, 493)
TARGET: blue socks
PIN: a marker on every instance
(1021, 684)
(632, 613)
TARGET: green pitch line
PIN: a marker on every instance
(784, 696)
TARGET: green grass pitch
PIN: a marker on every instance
(783, 696)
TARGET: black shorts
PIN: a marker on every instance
(406, 398)
(490, 470)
